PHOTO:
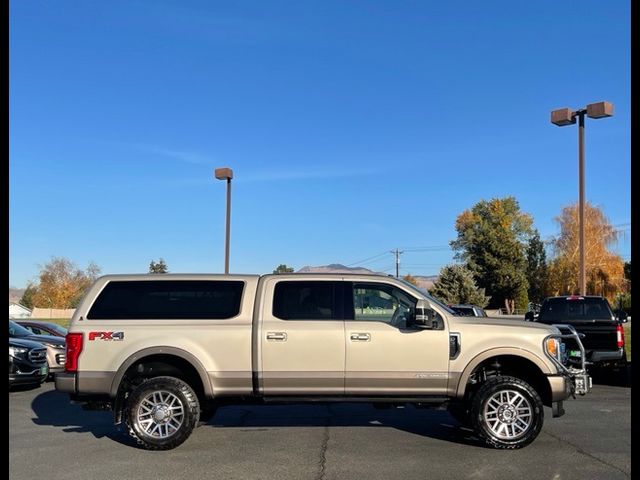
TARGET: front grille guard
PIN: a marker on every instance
(581, 380)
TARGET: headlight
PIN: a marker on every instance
(552, 347)
(15, 351)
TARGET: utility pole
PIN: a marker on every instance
(397, 253)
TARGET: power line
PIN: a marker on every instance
(434, 248)
(424, 264)
(430, 248)
(368, 259)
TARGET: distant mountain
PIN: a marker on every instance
(15, 294)
(424, 282)
(335, 268)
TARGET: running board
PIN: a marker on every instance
(351, 399)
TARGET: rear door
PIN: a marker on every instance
(301, 337)
(385, 354)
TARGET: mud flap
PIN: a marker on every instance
(557, 409)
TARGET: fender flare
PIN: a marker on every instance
(177, 352)
(495, 352)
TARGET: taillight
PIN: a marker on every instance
(74, 347)
(620, 335)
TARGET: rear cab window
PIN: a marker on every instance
(574, 309)
(308, 300)
(168, 300)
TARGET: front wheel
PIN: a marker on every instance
(507, 412)
(162, 412)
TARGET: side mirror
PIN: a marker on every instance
(426, 317)
(528, 317)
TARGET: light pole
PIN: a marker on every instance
(561, 118)
(226, 174)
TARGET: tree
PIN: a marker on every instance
(627, 271)
(536, 269)
(282, 268)
(62, 284)
(492, 240)
(411, 279)
(456, 285)
(27, 296)
(604, 269)
(159, 267)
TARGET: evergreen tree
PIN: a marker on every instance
(159, 267)
(536, 269)
(282, 268)
(456, 285)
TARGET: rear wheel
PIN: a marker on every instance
(507, 412)
(162, 412)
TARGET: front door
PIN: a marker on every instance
(386, 355)
(302, 338)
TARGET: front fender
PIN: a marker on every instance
(461, 385)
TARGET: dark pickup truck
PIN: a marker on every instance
(592, 317)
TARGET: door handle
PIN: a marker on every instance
(360, 337)
(279, 336)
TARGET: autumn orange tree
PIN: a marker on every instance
(411, 279)
(604, 269)
(62, 284)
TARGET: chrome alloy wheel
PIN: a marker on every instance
(160, 414)
(508, 414)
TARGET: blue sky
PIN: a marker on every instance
(352, 128)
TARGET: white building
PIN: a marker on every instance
(18, 311)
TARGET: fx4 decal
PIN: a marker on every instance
(106, 336)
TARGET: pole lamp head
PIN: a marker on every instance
(600, 110)
(224, 173)
(562, 117)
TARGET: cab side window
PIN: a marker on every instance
(307, 300)
(377, 302)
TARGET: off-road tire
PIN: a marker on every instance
(486, 392)
(184, 394)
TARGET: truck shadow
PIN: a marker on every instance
(619, 377)
(431, 423)
(52, 408)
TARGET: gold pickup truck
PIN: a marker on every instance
(164, 351)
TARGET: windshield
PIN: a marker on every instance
(57, 328)
(562, 309)
(464, 311)
(424, 293)
(16, 330)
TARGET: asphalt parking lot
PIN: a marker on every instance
(50, 438)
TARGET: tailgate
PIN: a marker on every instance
(597, 336)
